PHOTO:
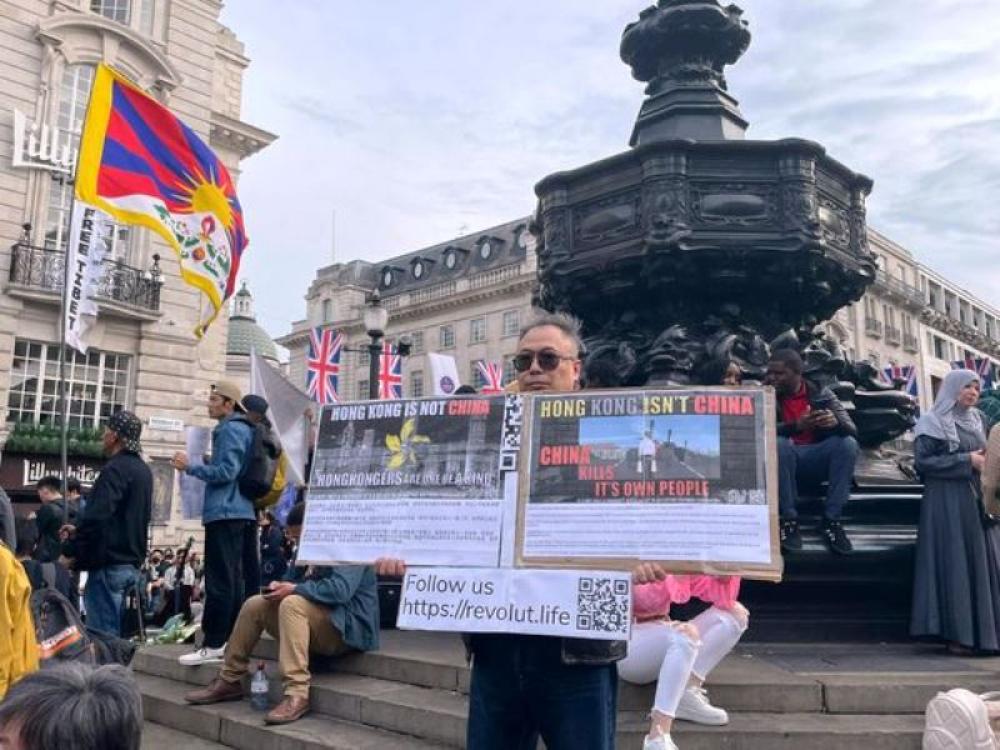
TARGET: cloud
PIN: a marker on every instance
(413, 120)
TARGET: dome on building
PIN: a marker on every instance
(244, 333)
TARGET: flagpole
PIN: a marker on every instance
(63, 390)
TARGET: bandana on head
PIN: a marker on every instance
(128, 427)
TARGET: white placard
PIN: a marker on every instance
(569, 603)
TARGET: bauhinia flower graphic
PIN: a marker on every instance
(403, 447)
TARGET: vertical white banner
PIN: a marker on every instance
(84, 266)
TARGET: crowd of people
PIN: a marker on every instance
(562, 690)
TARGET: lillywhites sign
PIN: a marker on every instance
(40, 146)
(36, 469)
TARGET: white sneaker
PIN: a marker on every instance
(203, 656)
(694, 706)
(660, 742)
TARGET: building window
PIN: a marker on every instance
(362, 390)
(941, 349)
(509, 373)
(477, 330)
(116, 10)
(417, 342)
(446, 337)
(476, 375)
(327, 310)
(97, 384)
(417, 384)
(511, 323)
(364, 358)
(147, 16)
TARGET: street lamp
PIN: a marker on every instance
(375, 318)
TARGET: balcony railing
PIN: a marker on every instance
(39, 269)
(893, 335)
(910, 342)
(873, 327)
(909, 293)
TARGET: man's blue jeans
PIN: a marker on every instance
(830, 460)
(521, 689)
(104, 595)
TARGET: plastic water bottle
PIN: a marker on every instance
(259, 689)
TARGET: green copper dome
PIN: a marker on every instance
(244, 333)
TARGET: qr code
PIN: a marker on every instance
(510, 439)
(603, 605)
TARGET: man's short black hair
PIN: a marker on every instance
(789, 358)
(27, 536)
(296, 515)
(74, 485)
(51, 482)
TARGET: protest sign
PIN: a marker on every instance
(198, 444)
(573, 604)
(686, 477)
(423, 480)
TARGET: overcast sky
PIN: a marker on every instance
(416, 122)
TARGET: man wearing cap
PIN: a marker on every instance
(110, 540)
(226, 516)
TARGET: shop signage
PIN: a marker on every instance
(41, 146)
(20, 471)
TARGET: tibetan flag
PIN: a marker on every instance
(143, 166)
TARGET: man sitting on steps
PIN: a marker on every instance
(322, 610)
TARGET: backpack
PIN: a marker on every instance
(958, 720)
(261, 463)
(60, 632)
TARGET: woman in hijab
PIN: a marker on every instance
(956, 587)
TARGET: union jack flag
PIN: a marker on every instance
(390, 373)
(323, 365)
(906, 374)
(981, 366)
(491, 377)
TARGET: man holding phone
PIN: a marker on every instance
(327, 610)
(816, 443)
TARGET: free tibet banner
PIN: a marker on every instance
(423, 480)
(683, 477)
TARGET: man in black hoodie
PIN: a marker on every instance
(111, 539)
(816, 443)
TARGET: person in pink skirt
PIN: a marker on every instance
(679, 656)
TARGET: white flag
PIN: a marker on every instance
(84, 268)
(286, 410)
(444, 373)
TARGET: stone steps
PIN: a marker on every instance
(412, 693)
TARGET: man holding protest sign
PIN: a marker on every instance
(523, 686)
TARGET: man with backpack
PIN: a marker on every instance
(110, 541)
(226, 517)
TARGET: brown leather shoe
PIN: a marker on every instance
(292, 708)
(218, 690)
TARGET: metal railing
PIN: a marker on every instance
(41, 269)
(893, 335)
(892, 284)
(873, 326)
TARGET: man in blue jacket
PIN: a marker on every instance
(228, 518)
(319, 610)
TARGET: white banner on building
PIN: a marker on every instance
(84, 266)
(569, 603)
(444, 373)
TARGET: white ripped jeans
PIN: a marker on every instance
(658, 650)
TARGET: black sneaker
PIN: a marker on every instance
(836, 538)
(791, 538)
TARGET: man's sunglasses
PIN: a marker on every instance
(547, 360)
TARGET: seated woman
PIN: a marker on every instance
(680, 655)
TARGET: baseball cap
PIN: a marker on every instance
(255, 404)
(229, 389)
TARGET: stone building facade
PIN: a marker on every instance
(910, 315)
(467, 298)
(145, 356)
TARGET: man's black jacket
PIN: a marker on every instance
(116, 519)
(820, 397)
